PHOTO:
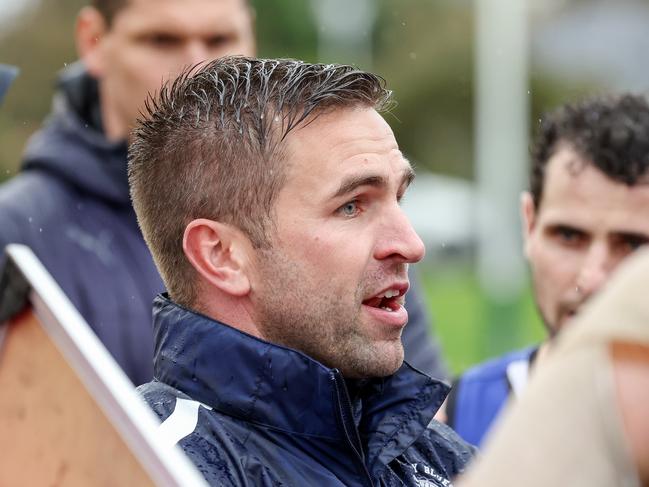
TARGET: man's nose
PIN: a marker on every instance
(595, 270)
(400, 240)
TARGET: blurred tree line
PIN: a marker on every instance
(40, 45)
(423, 48)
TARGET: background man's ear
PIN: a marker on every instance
(528, 217)
(90, 30)
(218, 253)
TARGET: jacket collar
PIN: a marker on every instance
(72, 146)
(253, 380)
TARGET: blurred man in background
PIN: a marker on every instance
(585, 212)
(70, 203)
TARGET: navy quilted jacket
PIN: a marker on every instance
(251, 413)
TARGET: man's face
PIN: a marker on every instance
(585, 225)
(150, 41)
(332, 284)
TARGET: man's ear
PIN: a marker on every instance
(528, 217)
(90, 29)
(219, 254)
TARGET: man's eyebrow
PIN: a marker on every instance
(355, 181)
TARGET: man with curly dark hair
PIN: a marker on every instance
(585, 212)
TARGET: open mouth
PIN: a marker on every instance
(391, 299)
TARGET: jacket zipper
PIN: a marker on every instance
(344, 408)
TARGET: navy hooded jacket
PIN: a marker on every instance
(251, 413)
(71, 205)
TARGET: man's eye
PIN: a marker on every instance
(568, 236)
(217, 41)
(349, 209)
(163, 40)
(633, 243)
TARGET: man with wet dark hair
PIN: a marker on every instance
(70, 203)
(586, 211)
(281, 240)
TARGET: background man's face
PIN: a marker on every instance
(152, 40)
(341, 242)
(586, 224)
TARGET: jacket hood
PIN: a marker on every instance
(72, 147)
(248, 378)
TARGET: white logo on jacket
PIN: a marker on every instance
(434, 479)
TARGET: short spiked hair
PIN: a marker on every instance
(211, 145)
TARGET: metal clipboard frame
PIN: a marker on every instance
(25, 282)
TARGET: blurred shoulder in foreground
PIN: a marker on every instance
(582, 421)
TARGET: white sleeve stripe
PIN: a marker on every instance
(180, 423)
(518, 374)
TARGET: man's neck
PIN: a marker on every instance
(114, 128)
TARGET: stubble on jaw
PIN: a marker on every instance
(291, 311)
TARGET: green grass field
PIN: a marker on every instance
(470, 327)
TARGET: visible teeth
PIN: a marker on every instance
(385, 308)
(390, 293)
